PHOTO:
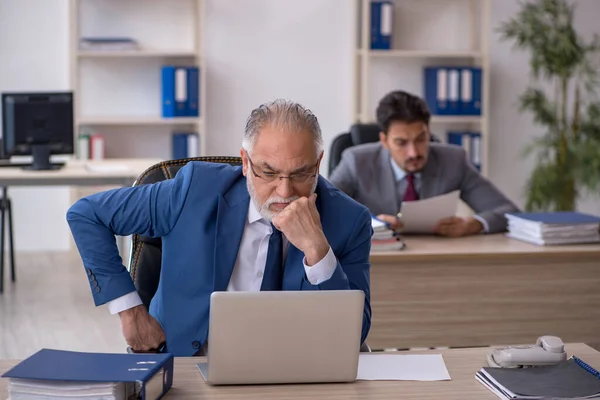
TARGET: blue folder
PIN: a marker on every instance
(558, 217)
(471, 101)
(71, 366)
(193, 90)
(442, 89)
(382, 22)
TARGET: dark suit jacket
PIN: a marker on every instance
(366, 175)
(200, 215)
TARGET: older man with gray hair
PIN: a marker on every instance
(272, 224)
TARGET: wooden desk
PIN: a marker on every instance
(76, 173)
(462, 365)
(483, 290)
(115, 172)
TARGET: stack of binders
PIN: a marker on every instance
(570, 379)
(554, 228)
(59, 374)
(180, 91)
(453, 90)
(384, 238)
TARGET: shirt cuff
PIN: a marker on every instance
(321, 271)
(486, 227)
(124, 302)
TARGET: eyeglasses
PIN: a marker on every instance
(298, 177)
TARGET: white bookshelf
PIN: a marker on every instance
(118, 93)
(425, 33)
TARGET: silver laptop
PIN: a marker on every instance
(276, 337)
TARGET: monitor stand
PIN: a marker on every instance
(41, 158)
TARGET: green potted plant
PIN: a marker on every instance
(564, 65)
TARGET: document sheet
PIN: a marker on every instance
(399, 367)
(421, 216)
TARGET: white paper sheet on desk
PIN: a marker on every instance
(422, 215)
(399, 367)
(106, 168)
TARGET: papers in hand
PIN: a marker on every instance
(421, 216)
(398, 367)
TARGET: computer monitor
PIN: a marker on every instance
(37, 124)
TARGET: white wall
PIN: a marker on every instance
(510, 71)
(257, 50)
(34, 57)
(264, 49)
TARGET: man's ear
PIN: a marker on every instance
(383, 140)
(244, 161)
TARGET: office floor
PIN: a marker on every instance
(50, 305)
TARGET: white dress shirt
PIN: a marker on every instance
(250, 264)
(400, 176)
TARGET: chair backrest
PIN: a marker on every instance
(146, 252)
(358, 134)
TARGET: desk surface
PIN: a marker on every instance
(462, 365)
(482, 246)
(76, 172)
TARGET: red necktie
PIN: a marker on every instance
(411, 191)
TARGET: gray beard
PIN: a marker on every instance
(263, 209)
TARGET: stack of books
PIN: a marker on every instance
(108, 44)
(384, 238)
(570, 379)
(554, 228)
(58, 374)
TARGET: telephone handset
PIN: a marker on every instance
(548, 350)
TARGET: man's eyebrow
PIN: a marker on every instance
(266, 165)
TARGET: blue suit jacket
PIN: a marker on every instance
(200, 215)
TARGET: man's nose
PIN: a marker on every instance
(284, 188)
(411, 151)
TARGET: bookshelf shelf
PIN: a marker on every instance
(141, 121)
(458, 119)
(424, 54)
(135, 54)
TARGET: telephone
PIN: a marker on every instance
(547, 350)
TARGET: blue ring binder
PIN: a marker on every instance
(587, 367)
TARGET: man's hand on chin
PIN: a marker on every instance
(301, 224)
(458, 226)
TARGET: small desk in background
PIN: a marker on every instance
(117, 172)
(462, 365)
(483, 290)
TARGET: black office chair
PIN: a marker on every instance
(146, 252)
(358, 134)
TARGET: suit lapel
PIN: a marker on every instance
(429, 181)
(231, 219)
(386, 182)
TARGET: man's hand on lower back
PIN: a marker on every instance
(141, 331)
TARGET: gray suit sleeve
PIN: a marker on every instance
(485, 199)
(344, 176)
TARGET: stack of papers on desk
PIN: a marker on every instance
(566, 380)
(554, 228)
(384, 238)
